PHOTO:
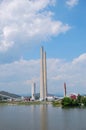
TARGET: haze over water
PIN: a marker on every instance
(41, 117)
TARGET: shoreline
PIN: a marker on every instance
(26, 103)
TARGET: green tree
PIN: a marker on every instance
(66, 101)
(84, 101)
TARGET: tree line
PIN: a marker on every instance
(78, 102)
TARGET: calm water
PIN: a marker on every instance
(41, 117)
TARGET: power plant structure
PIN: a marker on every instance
(65, 91)
(33, 90)
(43, 75)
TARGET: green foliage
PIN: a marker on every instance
(84, 101)
(56, 103)
(79, 99)
(68, 102)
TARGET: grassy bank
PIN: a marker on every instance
(57, 103)
(24, 103)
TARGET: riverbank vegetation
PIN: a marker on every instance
(57, 103)
(24, 102)
(78, 102)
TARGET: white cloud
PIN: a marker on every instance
(5, 45)
(17, 77)
(27, 20)
(72, 3)
(80, 59)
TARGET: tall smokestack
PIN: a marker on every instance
(33, 90)
(41, 75)
(65, 89)
(45, 76)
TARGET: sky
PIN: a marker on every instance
(57, 25)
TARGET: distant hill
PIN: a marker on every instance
(7, 94)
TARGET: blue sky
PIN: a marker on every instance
(57, 25)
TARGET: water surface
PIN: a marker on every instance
(41, 117)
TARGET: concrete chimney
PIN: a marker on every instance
(65, 92)
(33, 90)
(42, 75)
(45, 76)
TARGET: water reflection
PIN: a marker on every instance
(43, 117)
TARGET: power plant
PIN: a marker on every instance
(43, 75)
(43, 79)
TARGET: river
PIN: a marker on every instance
(41, 117)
